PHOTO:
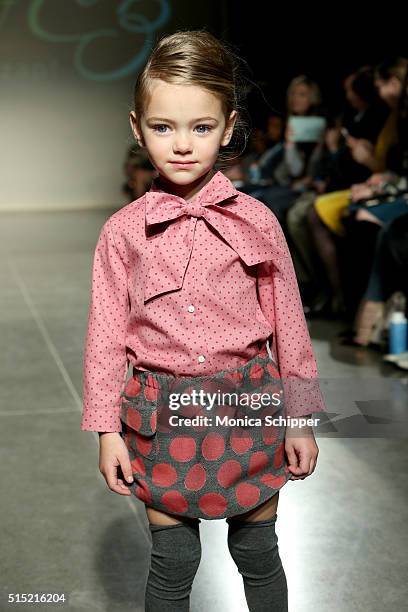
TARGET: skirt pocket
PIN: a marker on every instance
(139, 409)
(140, 404)
(141, 417)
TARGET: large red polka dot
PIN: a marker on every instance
(144, 445)
(188, 390)
(133, 387)
(195, 478)
(264, 351)
(182, 448)
(226, 411)
(138, 466)
(247, 494)
(256, 372)
(257, 463)
(212, 504)
(134, 418)
(229, 473)
(270, 480)
(211, 387)
(174, 501)
(240, 444)
(163, 475)
(272, 370)
(213, 446)
(151, 393)
(143, 492)
(234, 376)
(270, 434)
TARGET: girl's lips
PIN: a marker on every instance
(183, 163)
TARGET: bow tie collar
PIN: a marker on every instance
(214, 203)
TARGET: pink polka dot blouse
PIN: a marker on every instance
(191, 288)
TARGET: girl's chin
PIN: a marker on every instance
(182, 175)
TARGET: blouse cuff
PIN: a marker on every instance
(104, 421)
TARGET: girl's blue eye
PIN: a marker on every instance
(155, 128)
(205, 126)
(162, 125)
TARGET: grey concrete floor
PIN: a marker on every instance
(343, 532)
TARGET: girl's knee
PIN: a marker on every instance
(254, 548)
(176, 549)
(253, 545)
(175, 557)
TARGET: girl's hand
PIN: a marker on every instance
(302, 451)
(112, 454)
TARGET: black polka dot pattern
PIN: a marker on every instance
(194, 315)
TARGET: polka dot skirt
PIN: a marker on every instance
(210, 469)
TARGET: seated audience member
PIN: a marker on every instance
(336, 172)
(292, 169)
(325, 217)
(139, 173)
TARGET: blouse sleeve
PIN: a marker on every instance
(281, 304)
(105, 361)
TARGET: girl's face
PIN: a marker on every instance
(182, 123)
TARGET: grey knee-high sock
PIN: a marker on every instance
(254, 549)
(175, 557)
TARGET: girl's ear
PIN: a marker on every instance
(134, 124)
(229, 128)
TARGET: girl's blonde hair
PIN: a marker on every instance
(196, 57)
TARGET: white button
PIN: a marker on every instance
(191, 308)
(201, 358)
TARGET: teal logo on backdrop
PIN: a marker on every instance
(129, 18)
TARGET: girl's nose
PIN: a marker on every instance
(181, 145)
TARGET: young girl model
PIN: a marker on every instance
(190, 283)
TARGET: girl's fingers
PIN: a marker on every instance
(306, 468)
(126, 469)
(125, 489)
(116, 485)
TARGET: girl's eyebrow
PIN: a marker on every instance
(170, 121)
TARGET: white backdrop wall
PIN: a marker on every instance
(67, 69)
